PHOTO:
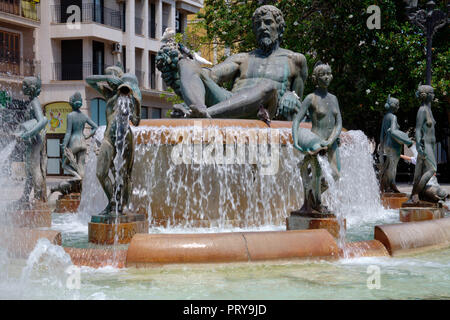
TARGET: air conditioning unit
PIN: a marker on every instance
(117, 48)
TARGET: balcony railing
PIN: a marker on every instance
(138, 22)
(24, 8)
(71, 71)
(19, 67)
(93, 13)
(77, 71)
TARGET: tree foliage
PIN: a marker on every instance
(367, 64)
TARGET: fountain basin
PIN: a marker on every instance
(156, 249)
(393, 200)
(414, 237)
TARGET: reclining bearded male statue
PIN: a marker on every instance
(267, 82)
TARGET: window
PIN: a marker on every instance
(156, 113)
(9, 52)
(179, 22)
(152, 71)
(98, 111)
(98, 56)
(144, 112)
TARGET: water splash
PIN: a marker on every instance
(46, 264)
(333, 199)
(93, 198)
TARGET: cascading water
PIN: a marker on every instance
(197, 194)
(93, 198)
(214, 183)
(124, 104)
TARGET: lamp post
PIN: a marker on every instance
(429, 20)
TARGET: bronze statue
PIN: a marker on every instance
(74, 146)
(323, 108)
(266, 82)
(390, 148)
(117, 148)
(426, 165)
(32, 132)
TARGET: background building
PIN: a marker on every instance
(40, 38)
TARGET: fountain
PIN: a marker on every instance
(210, 196)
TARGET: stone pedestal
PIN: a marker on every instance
(421, 211)
(393, 200)
(314, 221)
(30, 215)
(68, 203)
(116, 230)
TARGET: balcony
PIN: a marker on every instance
(23, 8)
(77, 71)
(93, 13)
(18, 67)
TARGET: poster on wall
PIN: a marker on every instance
(56, 114)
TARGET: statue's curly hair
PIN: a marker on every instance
(75, 97)
(318, 67)
(276, 13)
(423, 90)
(34, 83)
(390, 101)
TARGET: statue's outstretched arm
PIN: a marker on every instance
(41, 120)
(95, 79)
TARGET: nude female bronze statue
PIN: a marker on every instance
(323, 108)
(123, 97)
(32, 132)
(390, 148)
(266, 82)
(74, 146)
(426, 165)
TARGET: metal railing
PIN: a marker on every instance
(92, 13)
(24, 8)
(71, 71)
(138, 22)
(19, 67)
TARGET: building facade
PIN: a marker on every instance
(64, 41)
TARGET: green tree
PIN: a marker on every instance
(367, 64)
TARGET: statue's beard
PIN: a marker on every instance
(267, 44)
